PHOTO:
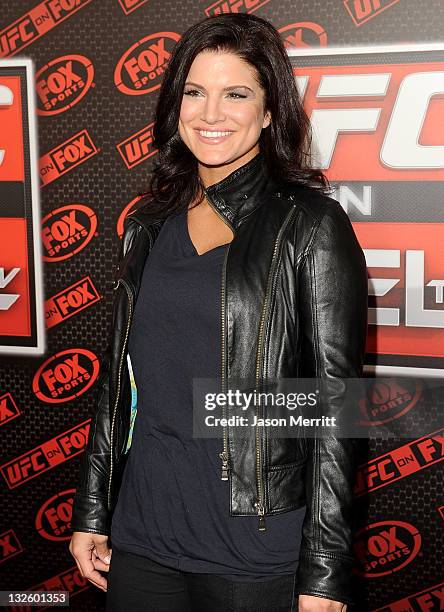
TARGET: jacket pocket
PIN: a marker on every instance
(286, 485)
(285, 451)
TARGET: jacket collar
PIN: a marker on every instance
(234, 197)
(242, 191)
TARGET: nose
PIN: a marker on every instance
(212, 110)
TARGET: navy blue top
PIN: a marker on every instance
(173, 506)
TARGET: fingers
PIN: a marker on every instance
(93, 575)
(102, 551)
(86, 554)
(99, 564)
(79, 568)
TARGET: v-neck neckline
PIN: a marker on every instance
(186, 232)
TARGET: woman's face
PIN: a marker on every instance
(222, 95)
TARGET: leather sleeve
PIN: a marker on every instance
(333, 304)
(90, 509)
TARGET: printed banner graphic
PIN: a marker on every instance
(378, 132)
(79, 86)
(21, 304)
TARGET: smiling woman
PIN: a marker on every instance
(225, 273)
(220, 122)
(227, 73)
(226, 108)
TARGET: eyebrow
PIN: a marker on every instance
(225, 88)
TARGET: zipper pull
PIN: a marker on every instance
(223, 456)
(261, 512)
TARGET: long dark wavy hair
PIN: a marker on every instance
(285, 143)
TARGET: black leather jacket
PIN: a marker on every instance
(302, 313)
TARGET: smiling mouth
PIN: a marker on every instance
(214, 133)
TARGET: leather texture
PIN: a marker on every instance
(294, 302)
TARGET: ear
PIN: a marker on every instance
(267, 119)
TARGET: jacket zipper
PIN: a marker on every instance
(224, 454)
(130, 297)
(260, 504)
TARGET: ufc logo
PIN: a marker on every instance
(415, 313)
(6, 99)
(363, 10)
(16, 36)
(234, 6)
(401, 147)
(376, 473)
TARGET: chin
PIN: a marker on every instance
(216, 158)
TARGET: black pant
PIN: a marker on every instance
(136, 584)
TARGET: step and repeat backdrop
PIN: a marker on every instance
(78, 86)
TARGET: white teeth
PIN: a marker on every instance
(213, 134)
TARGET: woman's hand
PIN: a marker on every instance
(309, 603)
(91, 553)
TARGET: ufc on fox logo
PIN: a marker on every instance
(375, 120)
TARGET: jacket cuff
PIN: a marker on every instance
(90, 514)
(325, 574)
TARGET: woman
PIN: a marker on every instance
(239, 266)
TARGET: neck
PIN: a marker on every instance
(209, 175)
